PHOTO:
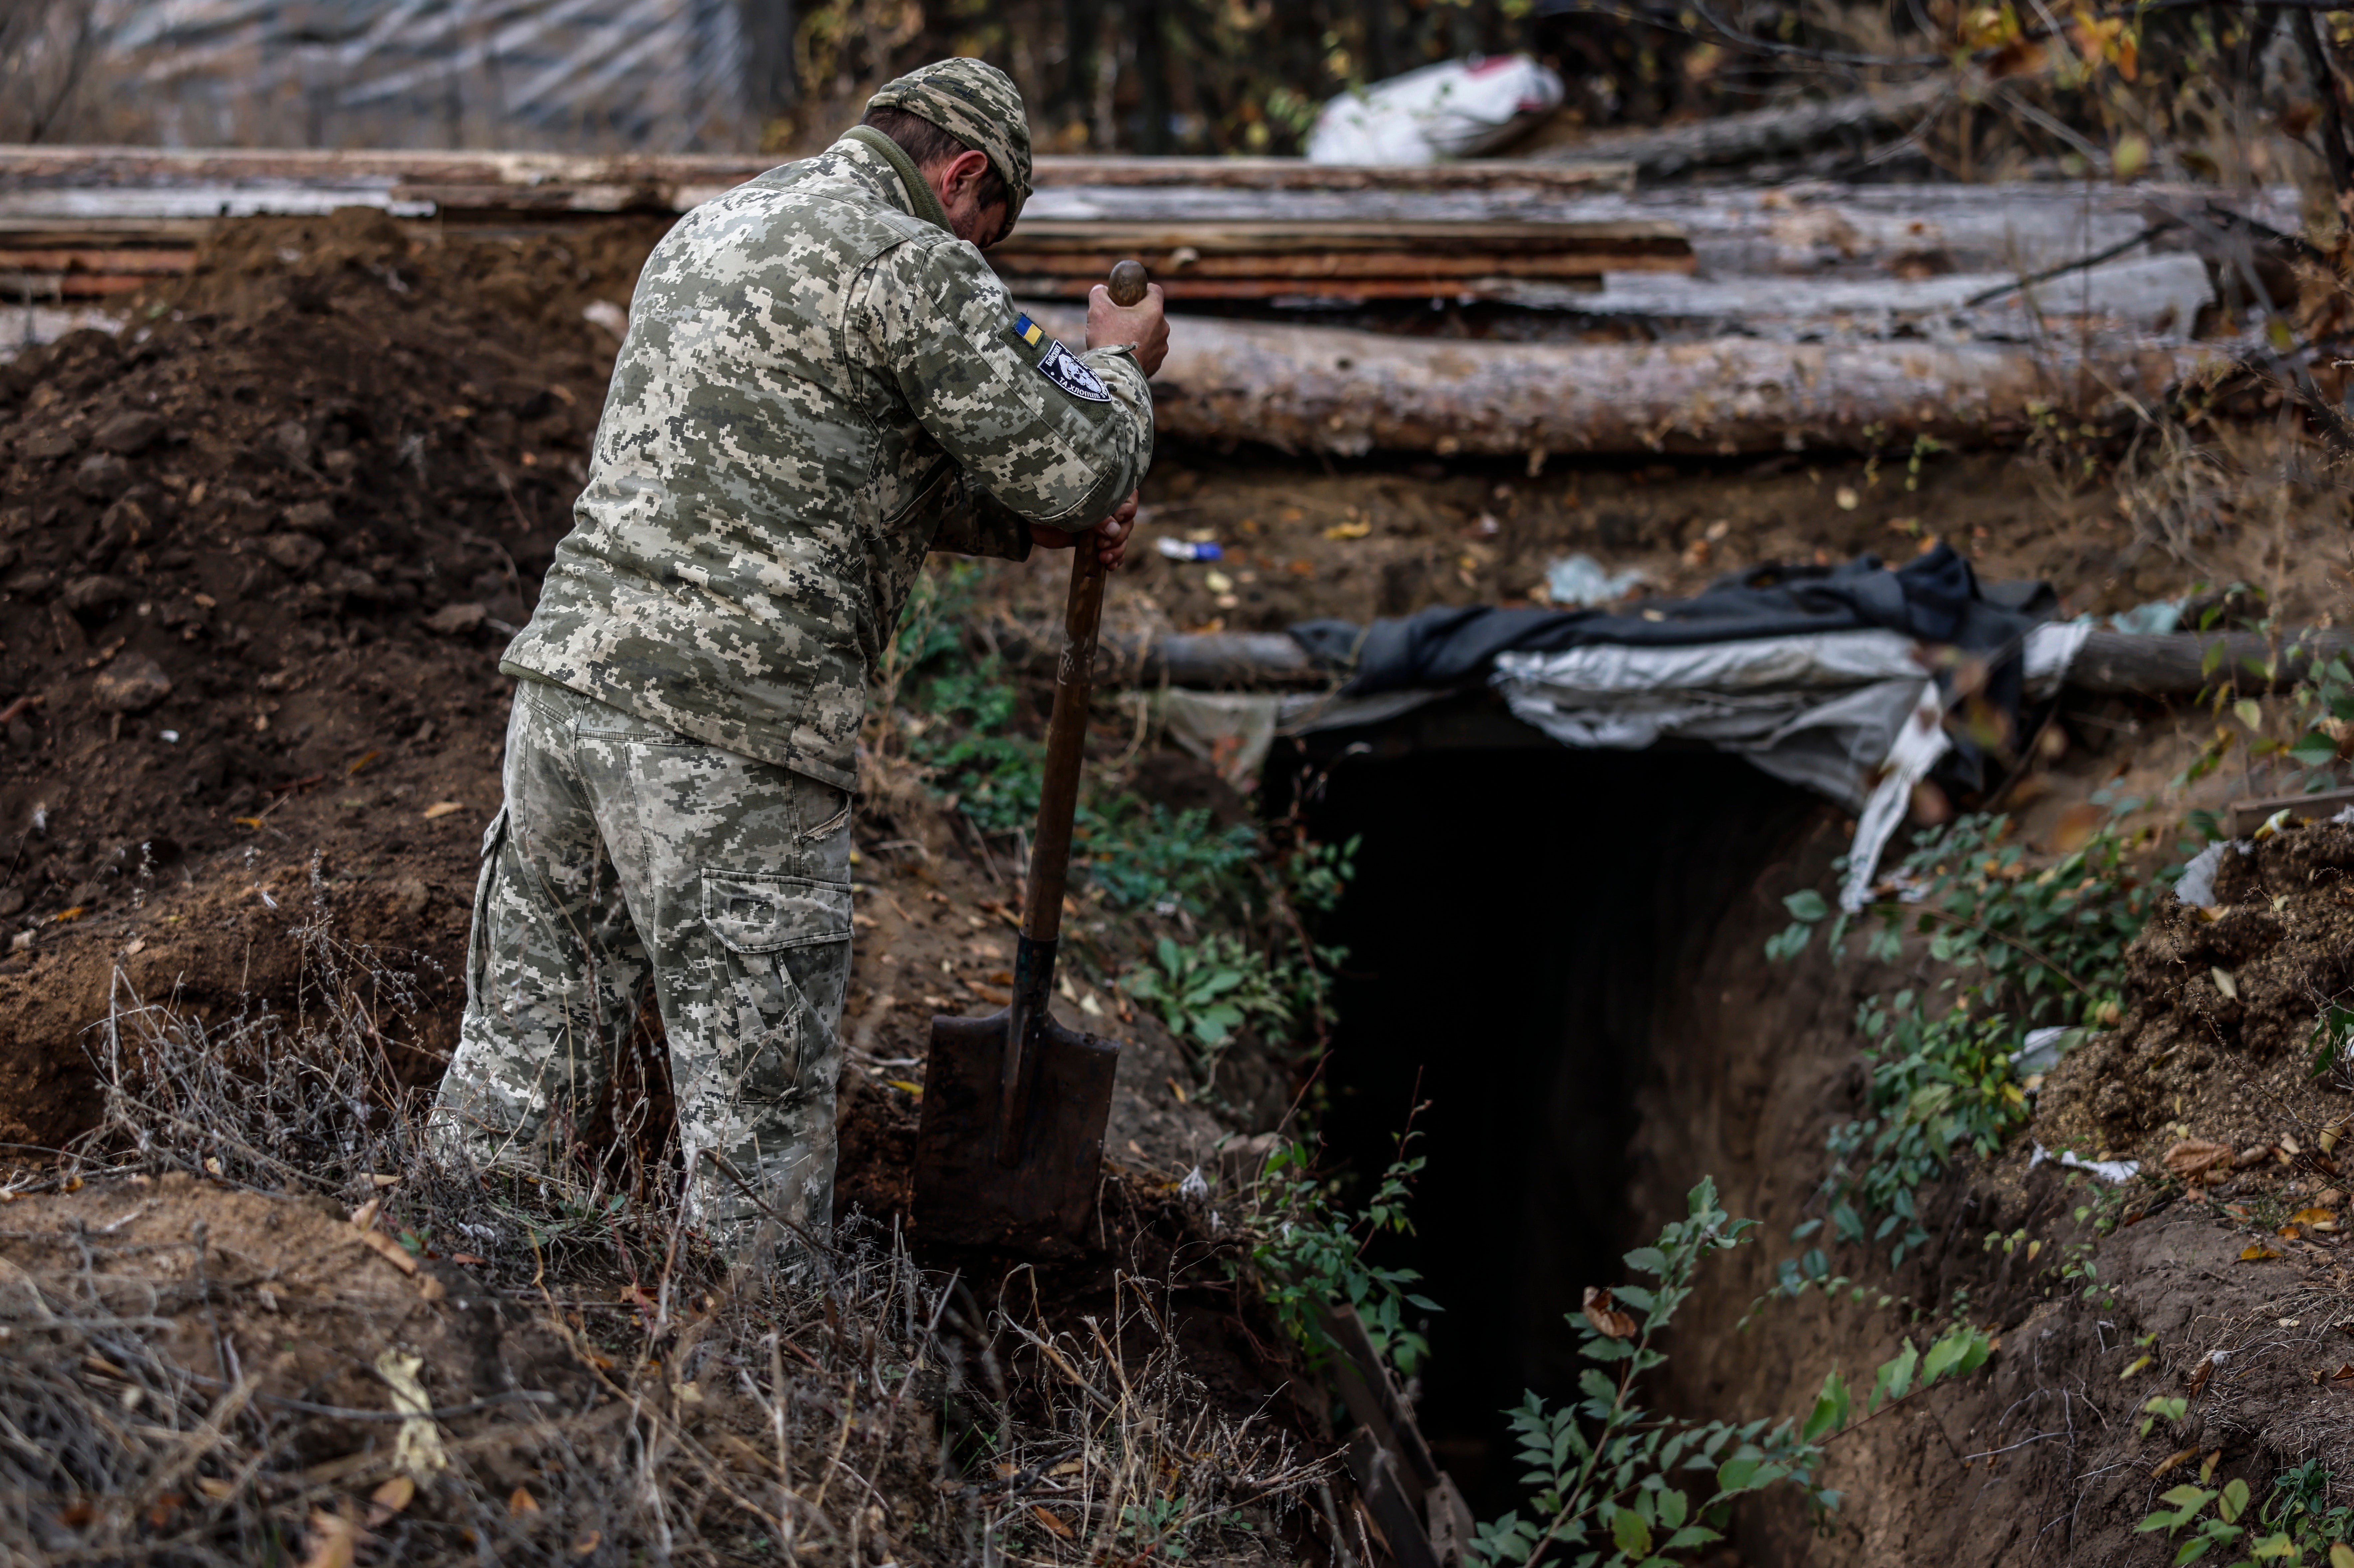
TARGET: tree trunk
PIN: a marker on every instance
(1331, 390)
(1761, 134)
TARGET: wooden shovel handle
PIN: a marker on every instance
(1066, 735)
(1066, 731)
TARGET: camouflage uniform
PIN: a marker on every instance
(820, 383)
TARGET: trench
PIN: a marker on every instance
(1522, 925)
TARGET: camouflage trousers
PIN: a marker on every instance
(630, 858)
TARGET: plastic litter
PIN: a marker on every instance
(2197, 883)
(1187, 550)
(2106, 1170)
(2043, 1048)
(1457, 109)
(1582, 580)
(2156, 619)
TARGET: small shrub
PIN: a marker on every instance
(1147, 856)
(1307, 1251)
(1619, 1486)
(2023, 948)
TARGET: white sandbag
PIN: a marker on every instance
(1453, 109)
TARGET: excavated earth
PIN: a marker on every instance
(259, 551)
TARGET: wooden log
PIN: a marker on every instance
(2119, 663)
(555, 184)
(1322, 291)
(1759, 134)
(1205, 659)
(1347, 392)
(1561, 176)
(1629, 243)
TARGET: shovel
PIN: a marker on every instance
(1011, 1145)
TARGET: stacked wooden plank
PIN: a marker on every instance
(86, 223)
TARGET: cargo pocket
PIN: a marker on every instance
(780, 938)
(478, 939)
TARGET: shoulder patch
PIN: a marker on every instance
(1028, 331)
(1070, 372)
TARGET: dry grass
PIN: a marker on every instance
(662, 1404)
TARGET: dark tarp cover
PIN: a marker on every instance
(1936, 598)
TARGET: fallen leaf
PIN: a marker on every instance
(520, 1502)
(2345, 1373)
(391, 1251)
(2223, 982)
(1348, 530)
(75, 1515)
(417, 1446)
(2288, 1232)
(215, 1488)
(905, 1086)
(390, 1499)
(2256, 1252)
(246, 821)
(441, 809)
(467, 1257)
(2171, 1460)
(2077, 827)
(364, 1215)
(587, 1543)
(1050, 1521)
(361, 766)
(2316, 1217)
(1602, 1311)
(1069, 1467)
(330, 1542)
(2139, 1365)
(2195, 1156)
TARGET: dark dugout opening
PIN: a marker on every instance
(1519, 920)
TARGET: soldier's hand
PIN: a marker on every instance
(1140, 326)
(1110, 535)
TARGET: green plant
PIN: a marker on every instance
(1205, 993)
(1605, 1470)
(1148, 856)
(2186, 1503)
(2024, 946)
(1308, 1252)
(965, 737)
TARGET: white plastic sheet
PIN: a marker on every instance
(657, 75)
(1457, 108)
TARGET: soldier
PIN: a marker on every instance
(821, 380)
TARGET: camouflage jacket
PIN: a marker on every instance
(820, 383)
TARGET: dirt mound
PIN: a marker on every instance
(258, 553)
(267, 537)
(2223, 1003)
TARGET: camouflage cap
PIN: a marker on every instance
(979, 105)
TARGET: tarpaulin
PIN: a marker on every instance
(1835, 679)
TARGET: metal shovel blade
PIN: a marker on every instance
(1040, 1200)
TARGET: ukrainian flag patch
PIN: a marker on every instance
(1028, 331)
